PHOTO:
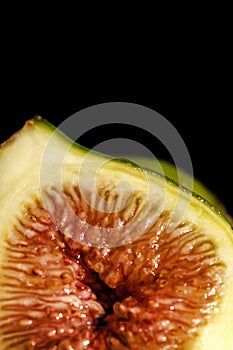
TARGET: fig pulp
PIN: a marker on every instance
(89, 262)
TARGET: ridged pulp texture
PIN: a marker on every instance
(154, 293)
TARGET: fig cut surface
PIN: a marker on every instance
(98, 253)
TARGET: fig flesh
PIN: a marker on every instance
(109, 266)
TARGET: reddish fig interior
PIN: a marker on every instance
(154, 293)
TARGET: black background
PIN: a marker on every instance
(183, 75)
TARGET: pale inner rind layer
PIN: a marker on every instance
(157, 194)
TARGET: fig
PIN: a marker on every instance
(100, 253)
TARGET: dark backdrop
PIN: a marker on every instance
(185, 79)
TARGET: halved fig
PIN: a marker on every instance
(98, 253)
